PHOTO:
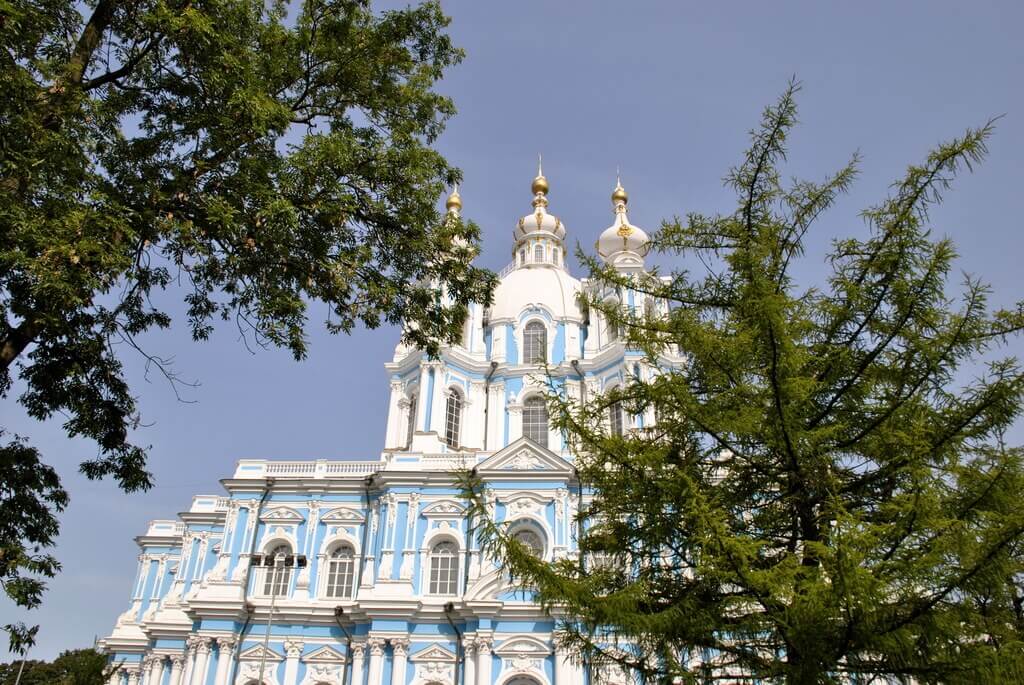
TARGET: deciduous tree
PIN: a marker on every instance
(259, 157)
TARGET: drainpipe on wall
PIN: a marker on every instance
(338, 613)
(487, 400)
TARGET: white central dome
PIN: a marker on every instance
(552, 290)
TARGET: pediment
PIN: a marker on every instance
(325, 654)
(434, 652)
(525, 456)
(256, 653)
(281, 515)
(343, 515)
(445, 507)
(523, 646)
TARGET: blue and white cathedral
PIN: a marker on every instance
(364, 572)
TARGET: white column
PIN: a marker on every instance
(226, 654)
(177, 664)
(157, 672)
(483, 662)
(401, 653)
(191, 645)
(293, 650)
(358, 651)
(376, 668)
(515, 421)
(469, 659)
(424, 399)
(395, 437)
(133, 678)
(437, 401)
(146, 674)
(115, 677)
(496, 417)
(202, 661)
(563, 665)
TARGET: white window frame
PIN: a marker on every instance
(454, 569)
(529, 403)
(453, 419)
(328, 570)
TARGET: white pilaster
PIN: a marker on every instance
(202, 661)
(191, 646)
(437, 400)
(177, 669)
(394, 437)
(400, 647)
(293, 650)
(469, 659)
(483, 661)
(226, 648)
(358, 662)
(376, 668)
(423, 401)
(515, 421)
(157, 671)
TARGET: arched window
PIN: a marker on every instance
(531, 540)
(453, 418)
(444, 568)
(522, 257)
(413, 401)
(615, 418)
(341, 571)
(555, 255)
(535, 343)
(538, 253)
(276, 578)
(535, 420)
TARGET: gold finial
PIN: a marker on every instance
(540, 184)
(454, 202)
(619, 194)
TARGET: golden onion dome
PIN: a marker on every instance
(619, 194)
(454, 201)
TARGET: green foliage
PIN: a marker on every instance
(72, 667)
(261, 157)
(827, 493)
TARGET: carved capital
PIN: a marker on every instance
(400, 645)
(376, 645)
(358, 650)
(484, 644)
(293, 648)
(226, 644)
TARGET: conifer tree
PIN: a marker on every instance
(826, 495)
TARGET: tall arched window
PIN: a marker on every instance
(535, 420)
(453, 418)
(413, 401)
(535, 343)
(616, 418)
(538, 253)
(276, 578)
(341, 571)
(555, 255)
(444, 568)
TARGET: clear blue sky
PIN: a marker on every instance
(667, 92)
